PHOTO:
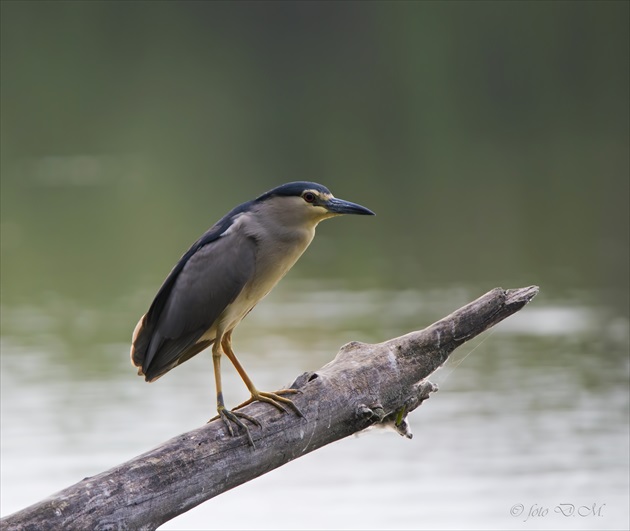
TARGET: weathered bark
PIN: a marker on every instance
(364, 385)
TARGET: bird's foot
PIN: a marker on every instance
(279, 402)
(234, 417)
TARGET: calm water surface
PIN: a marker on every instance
(530, 418)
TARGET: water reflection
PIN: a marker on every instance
(534, 413)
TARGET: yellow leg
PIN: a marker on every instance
(270, 398)
(226, 415)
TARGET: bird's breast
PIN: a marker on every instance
(273, 260)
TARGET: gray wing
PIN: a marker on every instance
(188, 305)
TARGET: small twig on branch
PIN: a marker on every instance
(364, 385)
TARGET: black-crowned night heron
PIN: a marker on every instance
(222, 277)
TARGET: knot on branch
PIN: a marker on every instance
(397, 420)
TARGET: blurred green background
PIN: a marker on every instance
(491, 139)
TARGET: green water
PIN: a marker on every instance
(491, 140)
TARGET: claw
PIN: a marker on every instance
(274, 399)
(288, 392)
(228, 417)
(234, 417)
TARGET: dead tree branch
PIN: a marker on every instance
(364, 385)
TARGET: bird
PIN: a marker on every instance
(220, 279)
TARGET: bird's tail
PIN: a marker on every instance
(155, 355)
(139, 344)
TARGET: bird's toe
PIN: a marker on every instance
(234, 417)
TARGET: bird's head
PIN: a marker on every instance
(309, 202)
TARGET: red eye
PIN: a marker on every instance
(309, 197)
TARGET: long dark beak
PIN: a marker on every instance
(339, 206)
